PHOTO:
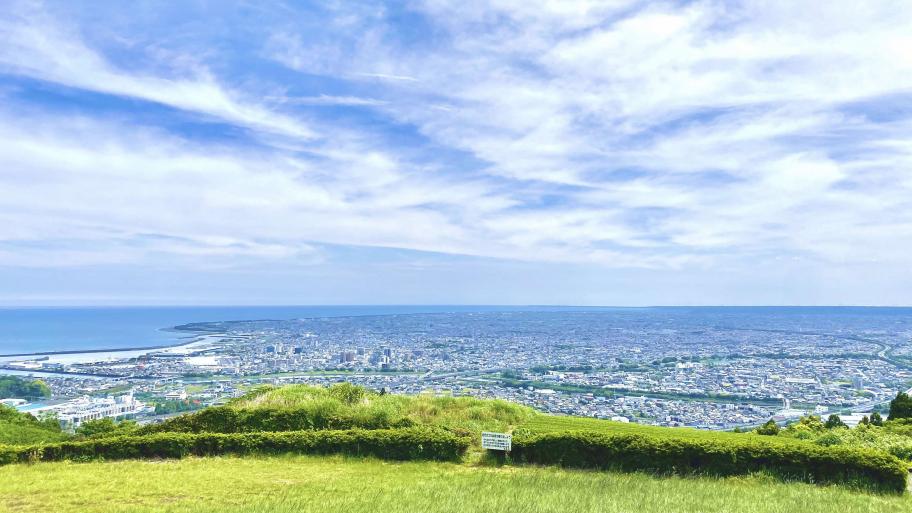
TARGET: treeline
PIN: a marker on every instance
(15, 387)
(868, 469)
(395, 444)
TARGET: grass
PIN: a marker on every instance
(553, 423)
(285, 484)
(23, 429)
(28, 433)
(370, 408)
(318, 484)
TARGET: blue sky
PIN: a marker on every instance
(566, 152)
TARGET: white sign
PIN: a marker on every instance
(496, 441)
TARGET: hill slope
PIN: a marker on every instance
(269, 430)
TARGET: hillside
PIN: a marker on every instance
(302, 448)
(21, 428)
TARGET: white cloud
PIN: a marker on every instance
(325, 99)
(669, 135)
(731, 117)
(37, 46)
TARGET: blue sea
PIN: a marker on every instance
(39, 329)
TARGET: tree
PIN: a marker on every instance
(876, 419)
(105, 427)
(769, 429)
(900, 407)
(833, 421)
(810, 422)
(865, 421)
(12, 386)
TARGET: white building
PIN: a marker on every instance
(74, 413)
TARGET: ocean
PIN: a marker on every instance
(44, 329)
(41, 329)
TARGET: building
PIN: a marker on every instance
(72, 414)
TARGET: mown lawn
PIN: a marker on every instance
(336, 484)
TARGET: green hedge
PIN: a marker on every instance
(225, 419)
(668, 455)
(395, 444)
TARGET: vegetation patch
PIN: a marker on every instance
(12, 386)
(310, 484)
(347, 419)
(397, 444)
(21, 428)
(861, 468)
(345, 406)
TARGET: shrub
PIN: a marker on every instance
(395, 444)
(876, 419)
(13, 386)
(674, 455)
(900, 407)
(318, 416)
(17, 428)
(105, 427)
(769, 429)
(833, 422)
(344, 406)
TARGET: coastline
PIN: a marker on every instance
(90, 351)
(198, 337)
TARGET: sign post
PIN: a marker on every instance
(496, 441)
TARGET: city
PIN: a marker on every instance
(670, 367)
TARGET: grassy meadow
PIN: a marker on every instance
(287, 484)
(474, 481)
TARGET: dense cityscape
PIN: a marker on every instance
(705, 368)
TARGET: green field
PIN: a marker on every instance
(319, 484)
(270, 429)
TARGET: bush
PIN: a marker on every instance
(833, 422)
(900, 407)
(876, 419)
(225, 419)
(768, 429)
(673, 455)
(13, 386)
(344, 406)
(105, 427)
(17, 428)
(396, 444)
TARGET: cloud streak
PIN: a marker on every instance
(693, 137)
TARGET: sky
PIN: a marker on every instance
(576, 152)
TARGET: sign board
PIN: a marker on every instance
(496, 441)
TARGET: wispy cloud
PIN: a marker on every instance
(325, 99)
(41, 47)
(749, 96)
(693, 137)
(386, 76)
